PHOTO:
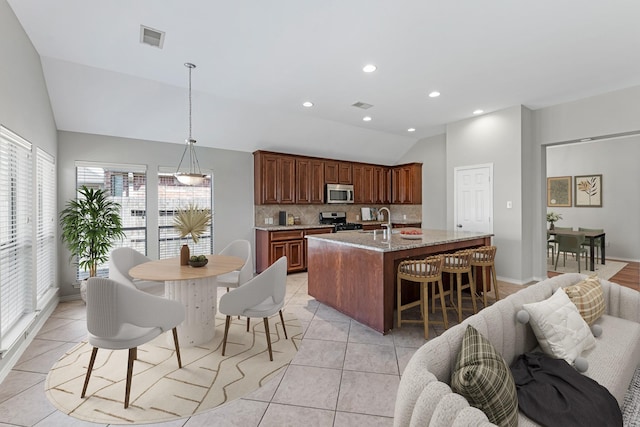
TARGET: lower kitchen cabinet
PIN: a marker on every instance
(272, 245)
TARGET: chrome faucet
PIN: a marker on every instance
(388, 224)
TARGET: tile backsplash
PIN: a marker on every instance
(309, 214)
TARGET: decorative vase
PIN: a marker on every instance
(184, 255)
(551, 227)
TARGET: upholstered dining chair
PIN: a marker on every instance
(240, 249)
(597, 242)
(122, 317)
(121, 260)
(262, 296)
(571, 244)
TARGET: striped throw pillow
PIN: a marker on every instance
(588, 296)
(483, 377)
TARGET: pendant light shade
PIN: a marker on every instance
(194, 175)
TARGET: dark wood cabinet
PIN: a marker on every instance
(381, 185)
(363, 183)
(406, 183)
(309, 181)
(274, 178)
(272, 245)
(337, 172)
(407, 225)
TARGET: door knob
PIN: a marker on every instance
(459, 225)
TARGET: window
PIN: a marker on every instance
(46, 223)
(127, 186)
(16, 285)
(173, 196)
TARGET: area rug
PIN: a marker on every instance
(604, 271)
(160, 391)
(631, 404)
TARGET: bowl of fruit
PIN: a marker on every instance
(198, 261)
(411, 233)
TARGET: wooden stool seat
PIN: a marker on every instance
(459, 263)
(425, 272)
(485, 257)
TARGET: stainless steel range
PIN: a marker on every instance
(339, 221)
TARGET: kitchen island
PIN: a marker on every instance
(355, 272)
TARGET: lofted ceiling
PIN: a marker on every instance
(258, 61)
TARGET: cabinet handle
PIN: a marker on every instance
(459, 225)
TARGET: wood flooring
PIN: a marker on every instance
(629, 276)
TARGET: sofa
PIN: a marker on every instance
(425, 398)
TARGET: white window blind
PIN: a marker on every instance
(173, 196)
(127, 186)
(46, 222)
(15, 229)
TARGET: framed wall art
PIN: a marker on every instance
(588, 191)
(559, 191)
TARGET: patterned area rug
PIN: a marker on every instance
(159, 390)
(631, 404)
(604, 271)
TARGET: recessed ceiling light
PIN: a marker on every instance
(307, 104)
(434, 94)
(366, 118)
(478, 112)
(369, 68)
(411, 130)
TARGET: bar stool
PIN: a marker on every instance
(484, 257)
(425, 272)
(459, 263)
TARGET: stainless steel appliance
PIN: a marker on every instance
(339, 193)
(339, 221)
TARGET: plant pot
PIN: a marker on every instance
(551, 227)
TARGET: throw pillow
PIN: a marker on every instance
(588, 296)
(559, 328)
(483, 377)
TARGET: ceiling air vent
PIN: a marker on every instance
(362, 105)
(151, 37)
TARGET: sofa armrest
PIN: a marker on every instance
(621, 302)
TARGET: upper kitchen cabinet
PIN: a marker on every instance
(337, 172)
(363, 183)
(309, 181)
(274, 178)
(406, 183)
(381, 185)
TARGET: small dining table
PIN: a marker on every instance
(195, 288)
(592, 236)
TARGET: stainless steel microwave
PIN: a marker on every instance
(339, 193)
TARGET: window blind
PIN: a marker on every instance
(173, 196)
(46, 222)
(15, 229)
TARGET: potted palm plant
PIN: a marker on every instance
(90, 224)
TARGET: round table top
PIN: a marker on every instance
(170, 268)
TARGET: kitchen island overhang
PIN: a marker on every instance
(355, 272)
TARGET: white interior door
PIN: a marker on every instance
(473, 199)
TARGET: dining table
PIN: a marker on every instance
(195, 287)
(592, 236)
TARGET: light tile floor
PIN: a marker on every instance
(345, 374)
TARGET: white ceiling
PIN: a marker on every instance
(258, 60)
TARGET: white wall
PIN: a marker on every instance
(617, 161)
(494, 138)
(232, 175)
(432, 153)
(608, 114)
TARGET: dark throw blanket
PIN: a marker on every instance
(552, 393)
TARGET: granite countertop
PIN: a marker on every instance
(393, 221)
(375, 242)
(276, 227)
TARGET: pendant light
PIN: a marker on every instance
(194, 176)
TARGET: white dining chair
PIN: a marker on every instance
(262, 296)
(121, 260)
(122, 317)
(240, 249)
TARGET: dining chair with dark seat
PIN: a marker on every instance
(571, 244)
(597, 242)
